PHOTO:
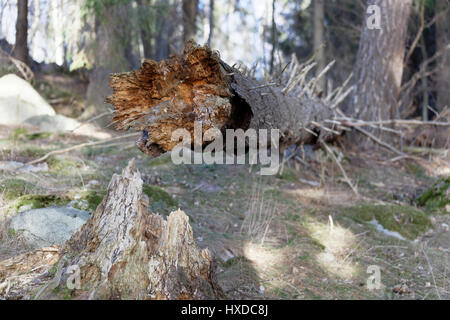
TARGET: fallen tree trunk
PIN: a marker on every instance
(124, 252)
(198, 86)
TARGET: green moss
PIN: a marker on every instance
(52, 270)
(407, 221)
(416, 170)
(437, 197)
(236, 260)
(288, 175)
(160, 200)
(38, 135)
(63, 165)
(91, 199)
(14, 188)
(18, 133)
(161, 160)
(36, 201)
(11, 232)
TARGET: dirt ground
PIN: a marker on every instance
(302, 234)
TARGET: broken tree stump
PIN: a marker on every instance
(125, 252)
(198, 86)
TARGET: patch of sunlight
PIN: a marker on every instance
(338, 243)
(323, 195)
(263, 258)
(442, 171)
(89, 130)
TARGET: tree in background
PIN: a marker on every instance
(379, 64)
(319, 39)
(211, 22)
(21, 45)
(443, 41)
(190, 10)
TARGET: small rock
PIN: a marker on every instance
(48, 226)
(19, 166)
(53, 123)
(402, 289)
(92, 183)
(20, 101)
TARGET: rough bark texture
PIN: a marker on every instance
(21, 45)
(319, 39)
(162, 97)
(379, 65)
(443, 40)
(124, 252)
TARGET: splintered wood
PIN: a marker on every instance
(172, 94)
(162, 97)
(124, 252)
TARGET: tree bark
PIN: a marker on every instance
(443, 77)
(379, 66)
(124, 252)
(211, 22)
(21, 45)
(319, 39)
(145, 29)
(190, 8)
(274, 38)
(173, 94)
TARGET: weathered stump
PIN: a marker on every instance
(125, 252)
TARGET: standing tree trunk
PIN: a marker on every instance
(125, 252)
(173, 94)
(379, 65)
(443, 41)
(145, 28)
(319, 39)
(273, 38)
(211, 22)
(190, 8)
(21, 45)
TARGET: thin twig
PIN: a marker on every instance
(78, 146)
(341, 168)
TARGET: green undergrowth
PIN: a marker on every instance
(437, 197)
(160, 200)
(407, 221)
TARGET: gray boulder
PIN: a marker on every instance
(53, 123)
(48, 226)
(19, 101)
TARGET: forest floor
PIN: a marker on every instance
(302, 234)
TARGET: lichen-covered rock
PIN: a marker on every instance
(19, 101)
(48, 226)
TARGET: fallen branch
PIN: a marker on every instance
(78, 146)
(347, 179)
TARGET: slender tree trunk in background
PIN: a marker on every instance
(190, 9)
(35, 24)
(319, 39)
(146, 30)
(379, 65)
(21, 45)
(274, 38)
(211, 22)
(443, 40)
